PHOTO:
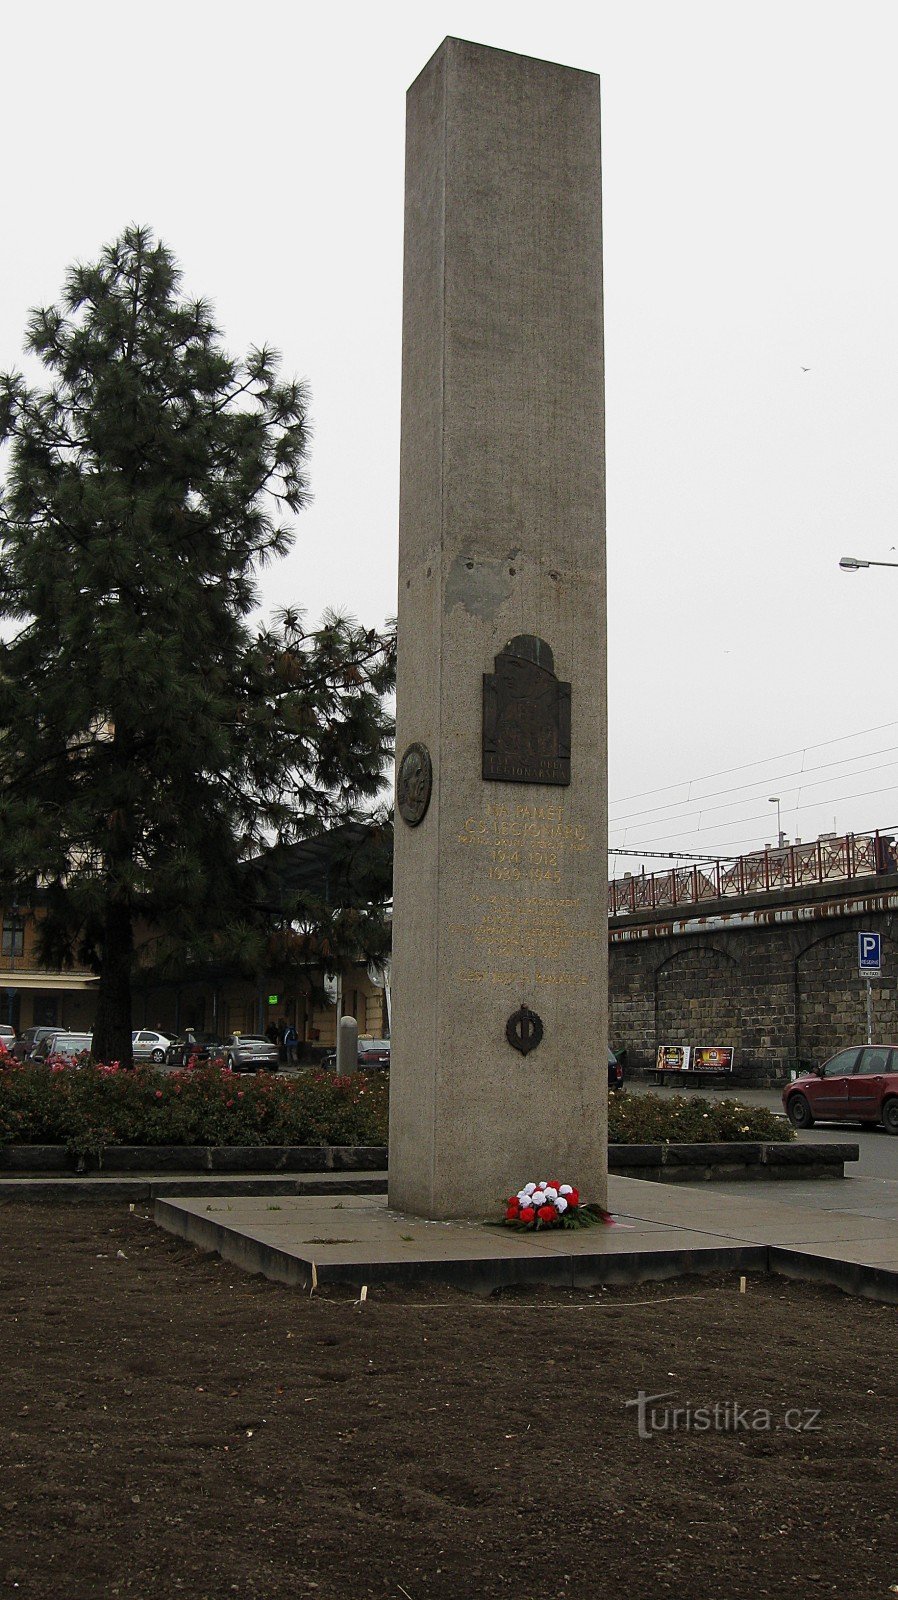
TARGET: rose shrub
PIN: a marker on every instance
(682, 1119)
(86, 1108)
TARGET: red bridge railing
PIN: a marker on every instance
(790, 866)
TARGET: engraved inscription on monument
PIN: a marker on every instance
(521, 922)
(526, 716)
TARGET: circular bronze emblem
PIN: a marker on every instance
(414, 781)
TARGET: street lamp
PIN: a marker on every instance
(775, 801)
(854, 564)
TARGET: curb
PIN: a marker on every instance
(54, 1189)
(668, 1163)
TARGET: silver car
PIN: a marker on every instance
(247, 1052)
(148, 1045)
(71, 1047)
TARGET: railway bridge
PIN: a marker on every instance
(760, 953)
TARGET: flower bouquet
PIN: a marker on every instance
(551, 1205)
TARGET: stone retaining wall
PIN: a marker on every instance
(671, 1163)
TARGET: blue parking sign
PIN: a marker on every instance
(869, 952)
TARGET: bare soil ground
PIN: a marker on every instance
(174, 1428)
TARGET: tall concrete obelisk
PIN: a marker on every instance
(500, 920)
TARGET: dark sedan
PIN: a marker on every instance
(197, 1048)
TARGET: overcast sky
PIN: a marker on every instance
(749, 210)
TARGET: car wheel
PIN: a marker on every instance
(890, 1116)
(158, 1055)
(800, 1114)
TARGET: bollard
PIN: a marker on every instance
(347, 1046)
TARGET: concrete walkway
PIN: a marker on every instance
(831, 1232)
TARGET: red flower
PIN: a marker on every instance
(573, 1199)
(526, 1214)
(511, 1214)
(547, 1213)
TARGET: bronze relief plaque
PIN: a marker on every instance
(526, 716)
(414, 782)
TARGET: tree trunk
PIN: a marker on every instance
(112, 1029)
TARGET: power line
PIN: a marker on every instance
(730, 855)
(764, 816)
(699, 801)
(761, 762)
(666, 855)
(751, 783)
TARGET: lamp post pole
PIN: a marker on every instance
(775, 801)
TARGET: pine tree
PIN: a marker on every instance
(151, 740)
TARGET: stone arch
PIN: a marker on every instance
(831, 996)
(699, 997)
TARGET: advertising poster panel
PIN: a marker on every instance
(673, 1057)
(712, 1057)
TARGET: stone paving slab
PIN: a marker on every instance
(658, 1233)
(359, 1240)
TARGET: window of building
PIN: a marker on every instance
(12, 939)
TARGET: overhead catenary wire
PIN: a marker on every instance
(801, 774)
(763, 761)
(654, 820)
(761, 816)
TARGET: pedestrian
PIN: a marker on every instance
(291, 1044)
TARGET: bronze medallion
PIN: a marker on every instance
(524, 1030)
(414, 781)
(526, 716)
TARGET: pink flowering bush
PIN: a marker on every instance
(88, 1107)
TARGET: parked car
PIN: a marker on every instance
(7, 1036)
(247, 1052)
(148, 1045)
(857, 1085)
(68, 1046)
(373, 1055)
(27, 1042)
(188, 1046)
(615, 1071)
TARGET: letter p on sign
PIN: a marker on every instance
(869, 956)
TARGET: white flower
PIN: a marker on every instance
(538, 1197)
(524, 1197)
(565, 1189)
(529, 1188)
(561, 1203)
(551, 1194)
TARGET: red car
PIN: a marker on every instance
(857, 1085)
